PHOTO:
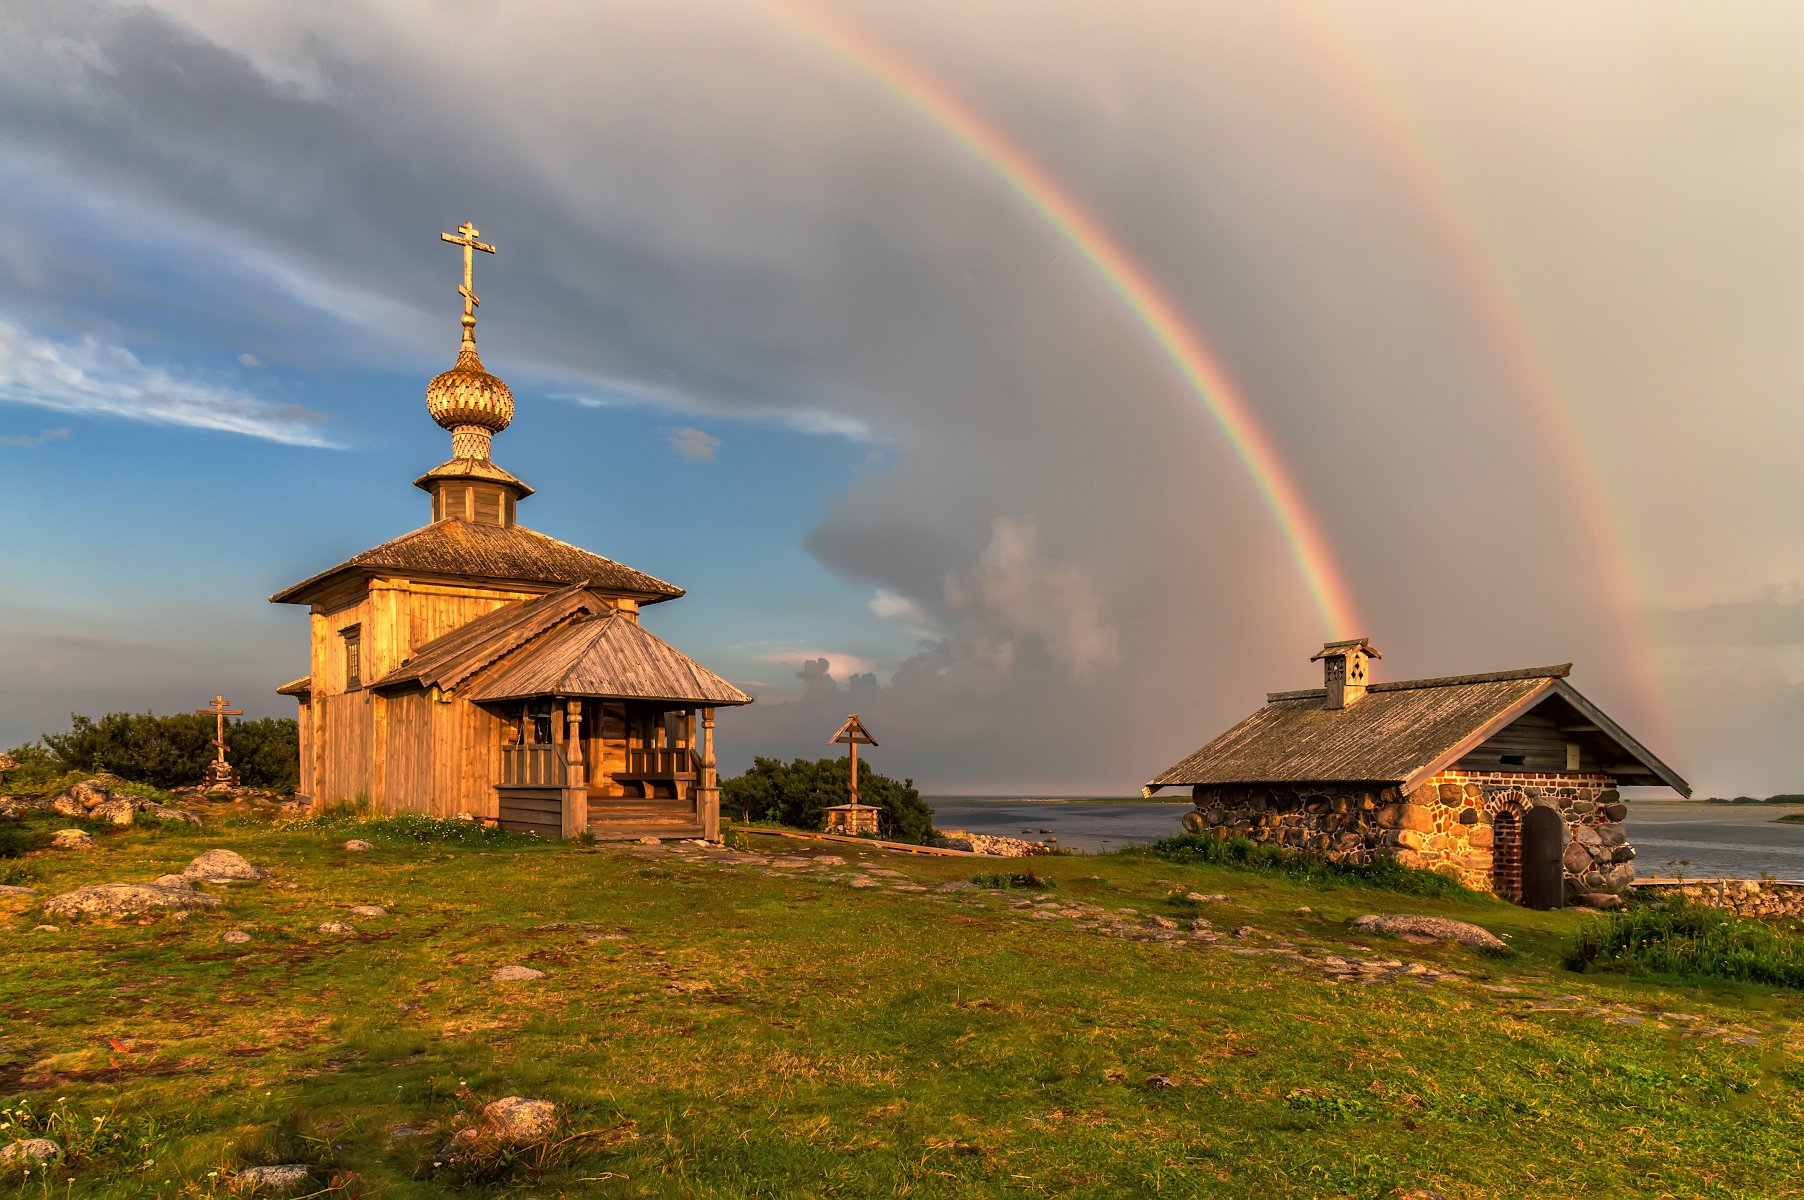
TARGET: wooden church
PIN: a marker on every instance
(476, 666)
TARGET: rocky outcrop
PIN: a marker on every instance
(126, 900)
(100, 799)
(1440, 929)
(223, 866)
(514, 973)
(71, 839)
(1743, 897)
(984, 843)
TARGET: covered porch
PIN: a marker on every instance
(607, 731)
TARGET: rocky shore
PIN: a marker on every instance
(985, 843)
(1743, 897)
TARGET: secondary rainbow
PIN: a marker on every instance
(1508, 319)
(1162, 319)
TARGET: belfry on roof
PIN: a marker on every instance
(477, 666)
(1507, 780)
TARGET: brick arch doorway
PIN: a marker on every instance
(1543, 843)
(1506, 853)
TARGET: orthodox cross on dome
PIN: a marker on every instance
(219, 772)
(466, 237)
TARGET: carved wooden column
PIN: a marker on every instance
(576, 781)
(707, 795)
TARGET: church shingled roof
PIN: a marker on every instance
(1398, 732)
(512, 553)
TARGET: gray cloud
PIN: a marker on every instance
(701, 211)
(1775, 617)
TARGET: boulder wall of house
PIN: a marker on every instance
(1354, 823)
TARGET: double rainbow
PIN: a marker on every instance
(1182, 346)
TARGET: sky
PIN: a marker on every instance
(841, 316)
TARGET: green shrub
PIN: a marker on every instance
(1015, 879)
(1315, 868)
(163, 752)
(799, 793)
(404, 827)
(1690, 941)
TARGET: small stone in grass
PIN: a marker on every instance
(71, 839)
(335, 927)
(514, 973)
(29, 1153)
(1161, 1081)
(274, 1181)
(234, 937)
(1245, 931)
(46, 929)
(1302, 910)
(357, 844)
(368, 910)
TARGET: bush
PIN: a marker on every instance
(1015, 879)
(798, 795)
(1690, 941)
(1312, 867)
(165, 752)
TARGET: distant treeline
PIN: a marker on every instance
(164, 752)
(1776, 798)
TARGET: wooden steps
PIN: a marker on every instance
(613, 818)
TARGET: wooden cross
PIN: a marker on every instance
(219, 710)
(466, 237)
(854, 734)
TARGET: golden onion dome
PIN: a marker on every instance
(468, 395)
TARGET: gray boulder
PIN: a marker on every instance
(335, 927)
(126, 900)
(514, 973)
(31, 1152)
(222, 866)
(357, 844)
(368, 910)
(510, 1121)
(71, 839)
(66, 805)
(1439, 928)
(7, 890)
(162, 812)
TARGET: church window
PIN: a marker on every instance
(353, 657)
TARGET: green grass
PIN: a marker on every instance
(1692, 942)
(1012, 879)
(1314, 869)
(709, 1030)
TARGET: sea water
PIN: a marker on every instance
(1698, 841)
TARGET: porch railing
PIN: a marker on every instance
(662, 763)
(537, 765)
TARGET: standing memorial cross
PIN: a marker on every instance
(217, 770)
(854, 734)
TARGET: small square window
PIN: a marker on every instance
(353, 657)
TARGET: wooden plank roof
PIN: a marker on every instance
(466, 549)
(448, 660)
(297, 687)
(608, 656)
(1400, 733)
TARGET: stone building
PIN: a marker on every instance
(1508, 780)
(477, 666)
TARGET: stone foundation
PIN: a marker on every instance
(1465, 824)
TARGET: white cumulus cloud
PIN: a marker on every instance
(693, 444)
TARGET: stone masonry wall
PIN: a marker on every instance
(1477, 824)
(1451, 824)
(1349, 823)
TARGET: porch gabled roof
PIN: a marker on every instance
(447, 661)
(607, 656)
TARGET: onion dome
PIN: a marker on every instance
(473, 404)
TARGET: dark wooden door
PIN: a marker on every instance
(1543, 844)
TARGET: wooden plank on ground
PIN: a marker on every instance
(905, 847)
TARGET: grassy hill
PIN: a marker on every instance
(723, 1023)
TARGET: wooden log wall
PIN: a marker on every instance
(538, 811)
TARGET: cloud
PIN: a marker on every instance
(1774, 617)
(693, 444)
(92, 378)
(813, 664)
(27, 441)
(247, 359)
(898, 609)
(1029, 594)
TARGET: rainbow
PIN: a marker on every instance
(1155, 311)
(1507, 317)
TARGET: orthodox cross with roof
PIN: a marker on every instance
(466, 237)
(219, 772)
(851, 817)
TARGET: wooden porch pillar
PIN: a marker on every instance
(707, 792)
(576, 782)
